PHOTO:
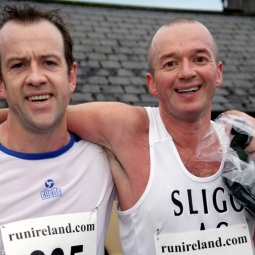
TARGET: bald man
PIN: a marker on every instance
(167, 197)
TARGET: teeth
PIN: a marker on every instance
(183, 91)
(40, 97)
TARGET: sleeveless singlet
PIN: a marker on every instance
(175, 201)
(73, 179)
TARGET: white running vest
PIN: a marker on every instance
(73, 179)
(174, 200)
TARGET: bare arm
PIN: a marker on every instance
(105, 123)
(98, 122)
(123, 130)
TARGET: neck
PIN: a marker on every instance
(192, 146)
(186, 132)
(21, 140)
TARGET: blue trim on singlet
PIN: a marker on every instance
(44, 155)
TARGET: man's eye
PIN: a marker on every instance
(170, 64)
(200, 59)
(19, 65)
(49, 63)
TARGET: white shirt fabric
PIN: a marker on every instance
(175, 201)
(73, 179)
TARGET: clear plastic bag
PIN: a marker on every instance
(237, 147)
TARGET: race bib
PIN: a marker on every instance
(234, 240)
(66, 234)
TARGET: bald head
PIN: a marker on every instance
(176, 22)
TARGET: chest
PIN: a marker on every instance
(199, 167)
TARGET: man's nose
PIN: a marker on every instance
(35, 77)
(186, 70)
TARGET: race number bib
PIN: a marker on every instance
(234, 240)
(66, 234)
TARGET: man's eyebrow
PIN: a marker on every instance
(201, 50)
(21, 59)
(193, 52)
(15, 59)
(168, 55)
(50, 56)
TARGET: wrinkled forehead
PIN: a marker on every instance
(183, 36)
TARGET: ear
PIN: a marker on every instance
(151, 84)
(2, 88)
(73, 77)
(219, 79)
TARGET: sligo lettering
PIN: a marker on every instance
(220, 205)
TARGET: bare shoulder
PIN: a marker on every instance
(132, 115)
(128, 122)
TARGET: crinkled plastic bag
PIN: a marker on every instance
(236, 150)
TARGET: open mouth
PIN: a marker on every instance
(39, 98)
(188, 91)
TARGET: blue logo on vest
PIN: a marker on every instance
(49, 183)
(50, 191)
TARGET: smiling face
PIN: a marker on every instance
(35, 78)
(185, 70)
